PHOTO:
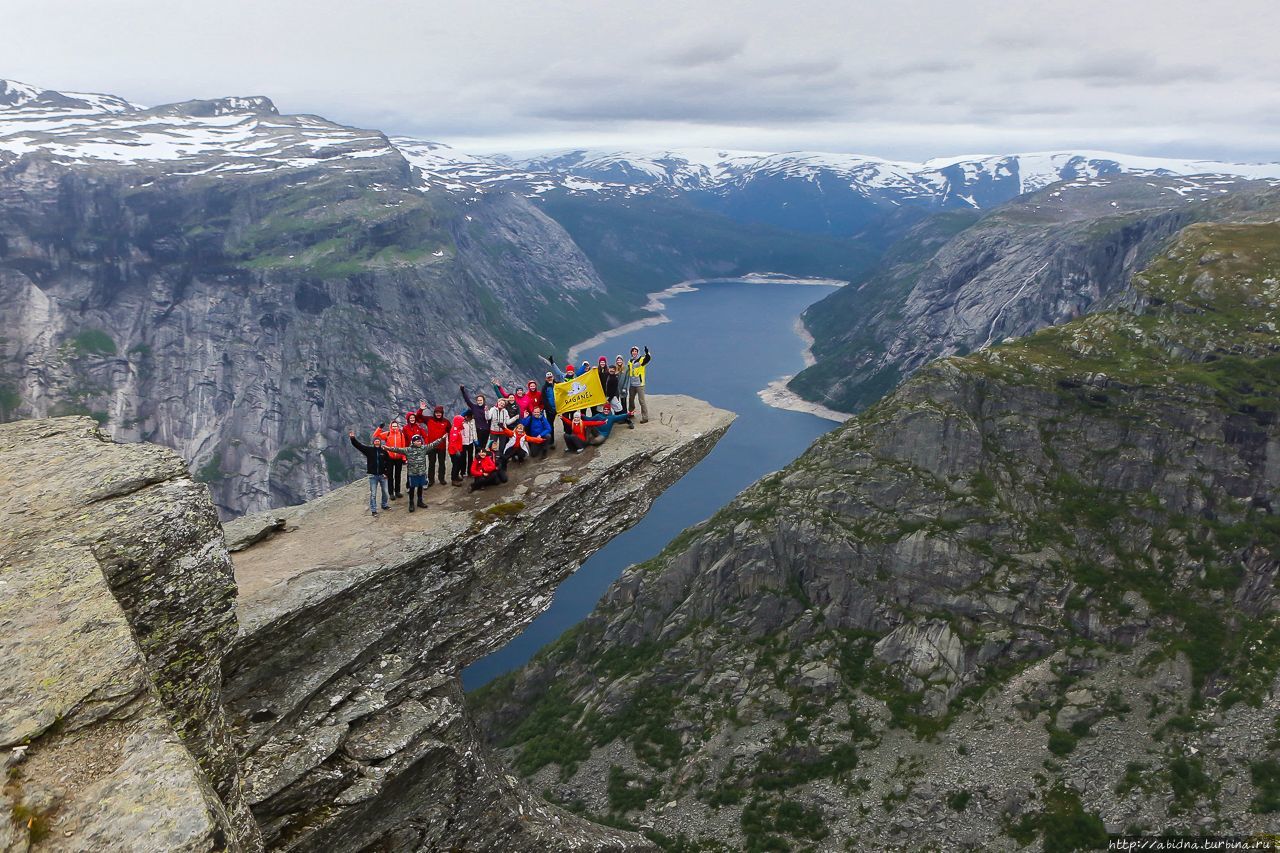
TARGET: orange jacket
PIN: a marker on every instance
(393, 437)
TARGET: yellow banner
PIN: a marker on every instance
(581, 392)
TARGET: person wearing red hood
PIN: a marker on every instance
(457, 450)
(413, 425)
(436, 428)
(391, 439)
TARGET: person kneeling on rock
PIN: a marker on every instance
(485, 470)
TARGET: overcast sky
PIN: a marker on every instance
(908, 79)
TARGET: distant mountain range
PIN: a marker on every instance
(802, 190)
(191, 271)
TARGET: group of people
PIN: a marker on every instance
(481, 440)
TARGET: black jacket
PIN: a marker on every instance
(376, 459)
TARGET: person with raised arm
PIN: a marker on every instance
(417, 460)
(576, 436)
(638, 364)
(549, 406)
(377, 464)
(518, 445)
(479, 414)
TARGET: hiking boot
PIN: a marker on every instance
(410, 506)
(373, 512)
(420, 503)
(386, 506)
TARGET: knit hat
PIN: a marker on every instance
(568, 368)
(416, 437)
(604, 360)
(439, 410)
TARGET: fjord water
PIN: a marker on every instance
(725, 342)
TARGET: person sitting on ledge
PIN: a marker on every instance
(485, 470)
(539, 429)
(576, 437)
(518, 446)
(609, 419)
(377, 465)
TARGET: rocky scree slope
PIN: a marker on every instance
(244, 286)
(963, 280)
(1028, 598)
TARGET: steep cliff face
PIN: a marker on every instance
(344, 683)
(129, 719)
(248, 300)
(1031, 594)
(961, 281)
(118, 607)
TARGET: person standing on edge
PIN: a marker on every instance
(413, 425)
(638, 364)
(393, 439)
(377, 463)
(623, 370)
(416, 461)
(549, 406)
(458, 462)
(435, 437)
(478, 413)
(470, 442)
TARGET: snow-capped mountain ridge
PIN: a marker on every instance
(247, 134)
(222, 135)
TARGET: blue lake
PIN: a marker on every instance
(726, 341)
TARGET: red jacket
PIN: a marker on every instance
(580, 430)
(436, 428)
(483, 465)
(412, 427)
(455, 436)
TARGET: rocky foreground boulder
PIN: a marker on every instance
(154, 696)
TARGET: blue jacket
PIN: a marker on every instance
(538, 427)
(609, 421)
(549, 398)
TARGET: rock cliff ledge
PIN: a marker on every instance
(134, 715)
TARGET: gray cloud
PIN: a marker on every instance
(932, 77)
(708, 52)
(1133, 70)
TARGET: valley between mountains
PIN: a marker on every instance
(1027, 596)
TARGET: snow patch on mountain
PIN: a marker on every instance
(226, 135)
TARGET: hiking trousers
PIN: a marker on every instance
(637, 392)
(435, 465)
(376, 482)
